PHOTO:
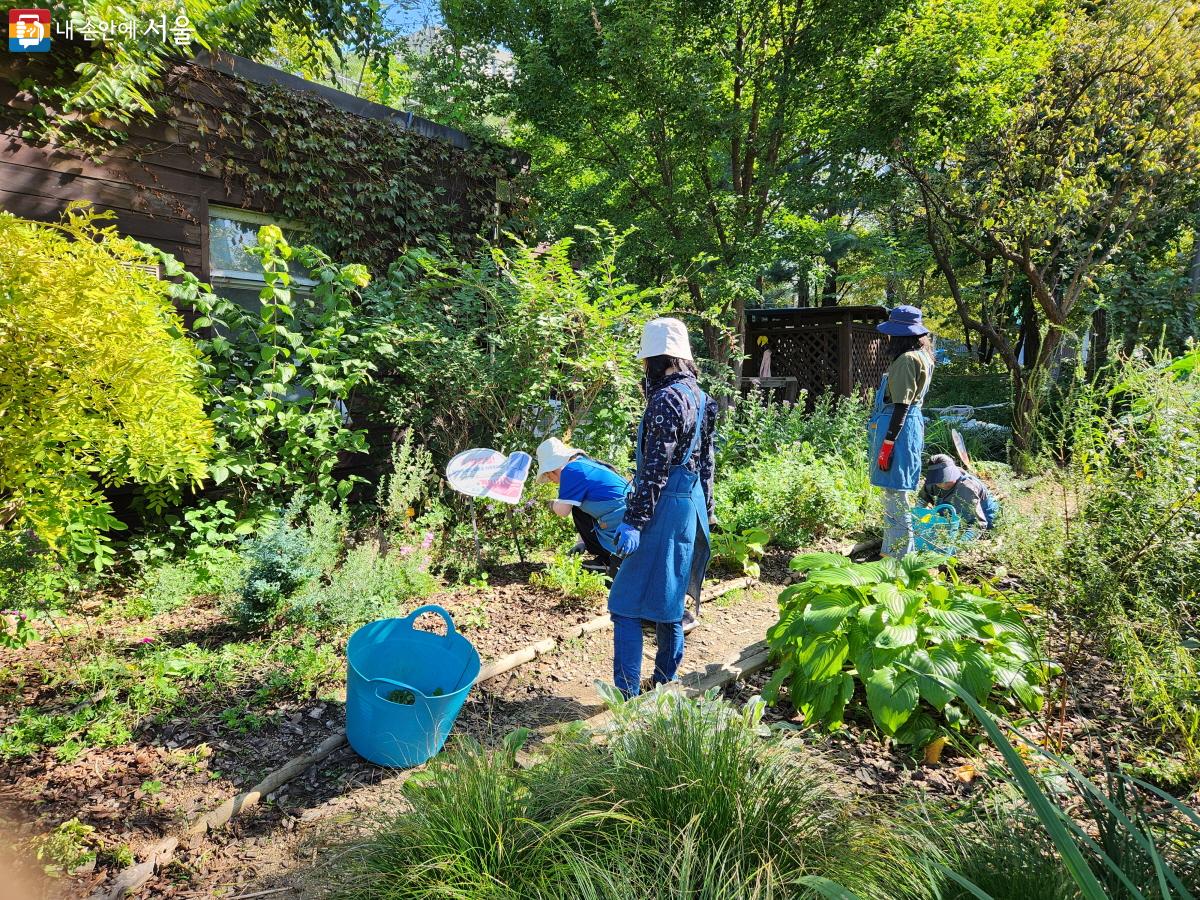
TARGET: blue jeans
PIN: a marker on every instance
(897, 524)
(627, 653)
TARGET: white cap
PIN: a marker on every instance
(553, 454)
(665, 337)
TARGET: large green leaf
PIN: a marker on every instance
(770, 690)
(978, 675)
(892, 696)
(807, 562)
(896, 636)
(825, 614)
(823, 657)
(889, 595)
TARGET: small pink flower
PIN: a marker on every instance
(428, 541)
(406, 550)
(145, 640)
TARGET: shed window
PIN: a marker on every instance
(232, 270)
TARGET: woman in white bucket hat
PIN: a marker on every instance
(664, 535)
(592, 493)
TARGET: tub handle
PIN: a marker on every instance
(451, 631)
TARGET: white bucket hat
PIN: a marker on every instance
(665, 337)
(553, 454)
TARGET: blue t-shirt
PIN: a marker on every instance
(585, 480)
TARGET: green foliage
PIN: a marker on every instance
(1085, 163)
(29, 581)
(98, 385)
(683, 800)
(369, 584)
(740, 551)
(102, 81)
(280, 379)
(278, 564)
(173, 584)
(756, 429)
(402, 490)
(68, 847)
(102, 698)
(717, 129)
(896, 627)
(1132, 550)
(1132, 840)
(565, 573)
(514, 344)
(798, 495)
(390, 196)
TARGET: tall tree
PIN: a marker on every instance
(1105, 139)
(705, 124)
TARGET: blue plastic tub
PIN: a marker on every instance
(404, 688)
(937, 529)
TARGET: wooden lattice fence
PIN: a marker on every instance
(824, 349)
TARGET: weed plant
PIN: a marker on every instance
(756, 429)
(565, 573)
(369, 584)
(1130, 529)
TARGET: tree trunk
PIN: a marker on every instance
(803, 292)
(829, 289)
(1098, 358)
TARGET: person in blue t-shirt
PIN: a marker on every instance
(592, 493)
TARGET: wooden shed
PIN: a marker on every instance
(185, 180)
(834, 348)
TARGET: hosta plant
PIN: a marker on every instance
(887, 625)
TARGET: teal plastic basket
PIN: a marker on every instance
(405, 688)
(937, 529)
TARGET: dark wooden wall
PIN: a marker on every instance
(160, 181)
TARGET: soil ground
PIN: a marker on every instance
(137, 793)
(281, 846)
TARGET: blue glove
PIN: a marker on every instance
(628, 539)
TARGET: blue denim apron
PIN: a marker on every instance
(673, 554)
(608, 515)
(905, 473)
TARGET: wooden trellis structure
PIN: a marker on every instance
(832, 348)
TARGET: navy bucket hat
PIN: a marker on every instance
(941, 470)
(903, 321)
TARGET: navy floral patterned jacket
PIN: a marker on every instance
(666, 436)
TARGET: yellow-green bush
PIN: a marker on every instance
(98, 383)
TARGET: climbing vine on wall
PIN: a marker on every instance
(367, 189)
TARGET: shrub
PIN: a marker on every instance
(565, 573)
(516, 343)
(98, 384)
(890, 626)
(278, 564)
(280, 378)
(369, 584)
(797, 495)
(408, 483)
(756, 428)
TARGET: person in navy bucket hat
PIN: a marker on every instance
(903, 321)
(896, 428)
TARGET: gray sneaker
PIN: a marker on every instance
(689, 621)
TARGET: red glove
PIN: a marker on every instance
(885, 455)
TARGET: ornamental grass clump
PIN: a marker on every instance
(684, 799)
